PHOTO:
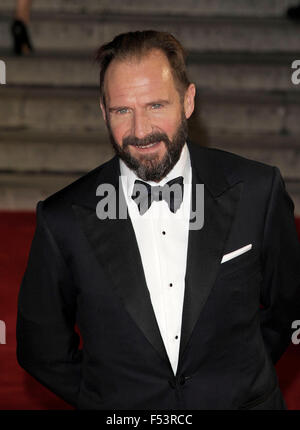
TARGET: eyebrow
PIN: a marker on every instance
(159, 101)
(154, 102)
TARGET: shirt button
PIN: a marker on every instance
(163, 232)
(171, 285)
(176, 337)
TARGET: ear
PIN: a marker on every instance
(189, 100)
(103, 111)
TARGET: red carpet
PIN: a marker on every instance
(18, 390)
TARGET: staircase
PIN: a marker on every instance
(240, 56)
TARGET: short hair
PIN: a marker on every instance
(136, 45)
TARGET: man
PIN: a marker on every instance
(171, 316)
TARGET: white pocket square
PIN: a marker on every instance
(236, 253)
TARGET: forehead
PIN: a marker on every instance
(132, 78)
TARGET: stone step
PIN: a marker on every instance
(234, 71)
(52, 69)
(255, 8)
(286, 156)
(59, 153)
(23, 191)
(248, 112)
(55, 153)
(73, 32)
(242, 71)
(66, 109)
(253, 141)
(73, 109)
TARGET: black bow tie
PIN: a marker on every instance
(144, 194)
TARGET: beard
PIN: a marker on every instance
(149, 167)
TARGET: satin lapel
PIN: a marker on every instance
(205, 250)
(115, 246)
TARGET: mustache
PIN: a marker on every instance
(151, 138)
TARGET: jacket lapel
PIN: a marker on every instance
(114, 244)
(206, 245)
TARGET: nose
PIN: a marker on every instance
(141, 124)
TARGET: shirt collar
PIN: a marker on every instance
(181, 168)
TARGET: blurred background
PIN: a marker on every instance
(51, 130)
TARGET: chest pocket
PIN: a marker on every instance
(241, 267)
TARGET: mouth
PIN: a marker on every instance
(148, 148)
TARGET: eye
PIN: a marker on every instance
(122, 110)
(156, 105)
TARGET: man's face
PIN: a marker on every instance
(146, 119)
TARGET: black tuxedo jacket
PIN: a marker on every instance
(237, 315)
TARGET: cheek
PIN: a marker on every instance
(168, 126)
(168, 121)
(118, 131)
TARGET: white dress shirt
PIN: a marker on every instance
(162, 238)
